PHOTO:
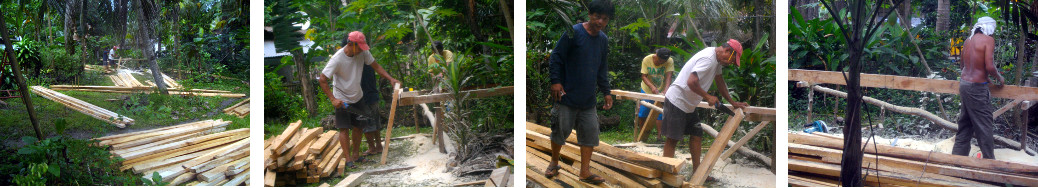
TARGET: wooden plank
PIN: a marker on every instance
(178, 180)
(471, 183)
(539, 178)
(714, 153)
(143, 163)
(392, 115)
(746, 152)
(797, 181)
(322, 142)
(285, 136)
(534, 138)
(83, 107)
(222, 151)
(831, 155)
(269, 178)
(909, 83)
(885, 177)
(237, 180)
(664, 164)
(218, 170)
(565, 178)
(611, 176)
(745, 138)
(352, 180)
(655, 97)
(650, 121)
(478, 93)
(1005, 108)
(920, 155)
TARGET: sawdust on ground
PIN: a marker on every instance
(430, 167)
(729, 173)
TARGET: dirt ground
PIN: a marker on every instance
(430, 170)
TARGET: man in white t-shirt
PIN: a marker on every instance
(345, 69)
(111, 58)
(689, 88)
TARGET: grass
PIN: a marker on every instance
(148, 110)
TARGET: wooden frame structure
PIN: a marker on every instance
(401, 98)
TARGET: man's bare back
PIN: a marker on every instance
(978, 59)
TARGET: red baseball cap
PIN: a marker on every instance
(738, 50)
(358, 37)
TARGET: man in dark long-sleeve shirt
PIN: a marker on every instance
(578, 69)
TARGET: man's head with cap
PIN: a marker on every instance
(355, 43)
(729, 52)
(662, 55)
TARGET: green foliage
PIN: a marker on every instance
(283, 17)
(274, 93)
(65, 161)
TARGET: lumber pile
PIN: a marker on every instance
(814, 160)
(302, 155)
(201, 152)
(125, 79)
(84, 107)
(241, 109)
(619, 167)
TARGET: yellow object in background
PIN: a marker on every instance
(955, 46)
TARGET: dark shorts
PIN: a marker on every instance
(677, 123)
(358, 115)
(567, 118)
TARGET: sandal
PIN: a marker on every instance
(593, 179)
(361, 160)
(552, 171)
(351, 165)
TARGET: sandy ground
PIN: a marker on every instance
(430, 166)
(733, 172)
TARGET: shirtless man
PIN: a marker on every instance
(975, 118)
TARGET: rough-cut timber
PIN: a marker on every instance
(909, 83)
(753, 113)
(665, 164)
(84, 107)
(712, 155)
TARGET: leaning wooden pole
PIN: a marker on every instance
(714, 153)
(22, 88)
(389, 126)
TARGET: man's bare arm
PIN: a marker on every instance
(383, 73)
(648, 82)
(323, 80)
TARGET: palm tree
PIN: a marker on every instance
(943, 14)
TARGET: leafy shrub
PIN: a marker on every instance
(65, 161)
(274, 93)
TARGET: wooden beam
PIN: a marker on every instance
(352, 180)
(753, 113)
(392, 115)
(650, 121)
(909, 83)
(610, 175)
(539, 178)
(285, 135)
(1005, 108)
(920, 155)
(834, 156)
(534, 138)
(478, 93)
(712, 155)
(565, 178)
(797, 181)
(918, 112)
(745, 138)
(901, 179)
(664, 164)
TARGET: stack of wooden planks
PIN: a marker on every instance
(241, 109)
(84, 107)
(814, 161)
(619, 167)
(302, 155)
(125, 79)
(199, 152)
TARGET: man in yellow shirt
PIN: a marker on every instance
(434, 62)
(657, 71)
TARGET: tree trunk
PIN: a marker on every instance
(943, 14)
(83, 57)
(1018, 115)
(505, 10)
(23, 89)
(303, 72)
(850, 168)
(470, 18)
(904, 13)
(120, 21)
(146, 13)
